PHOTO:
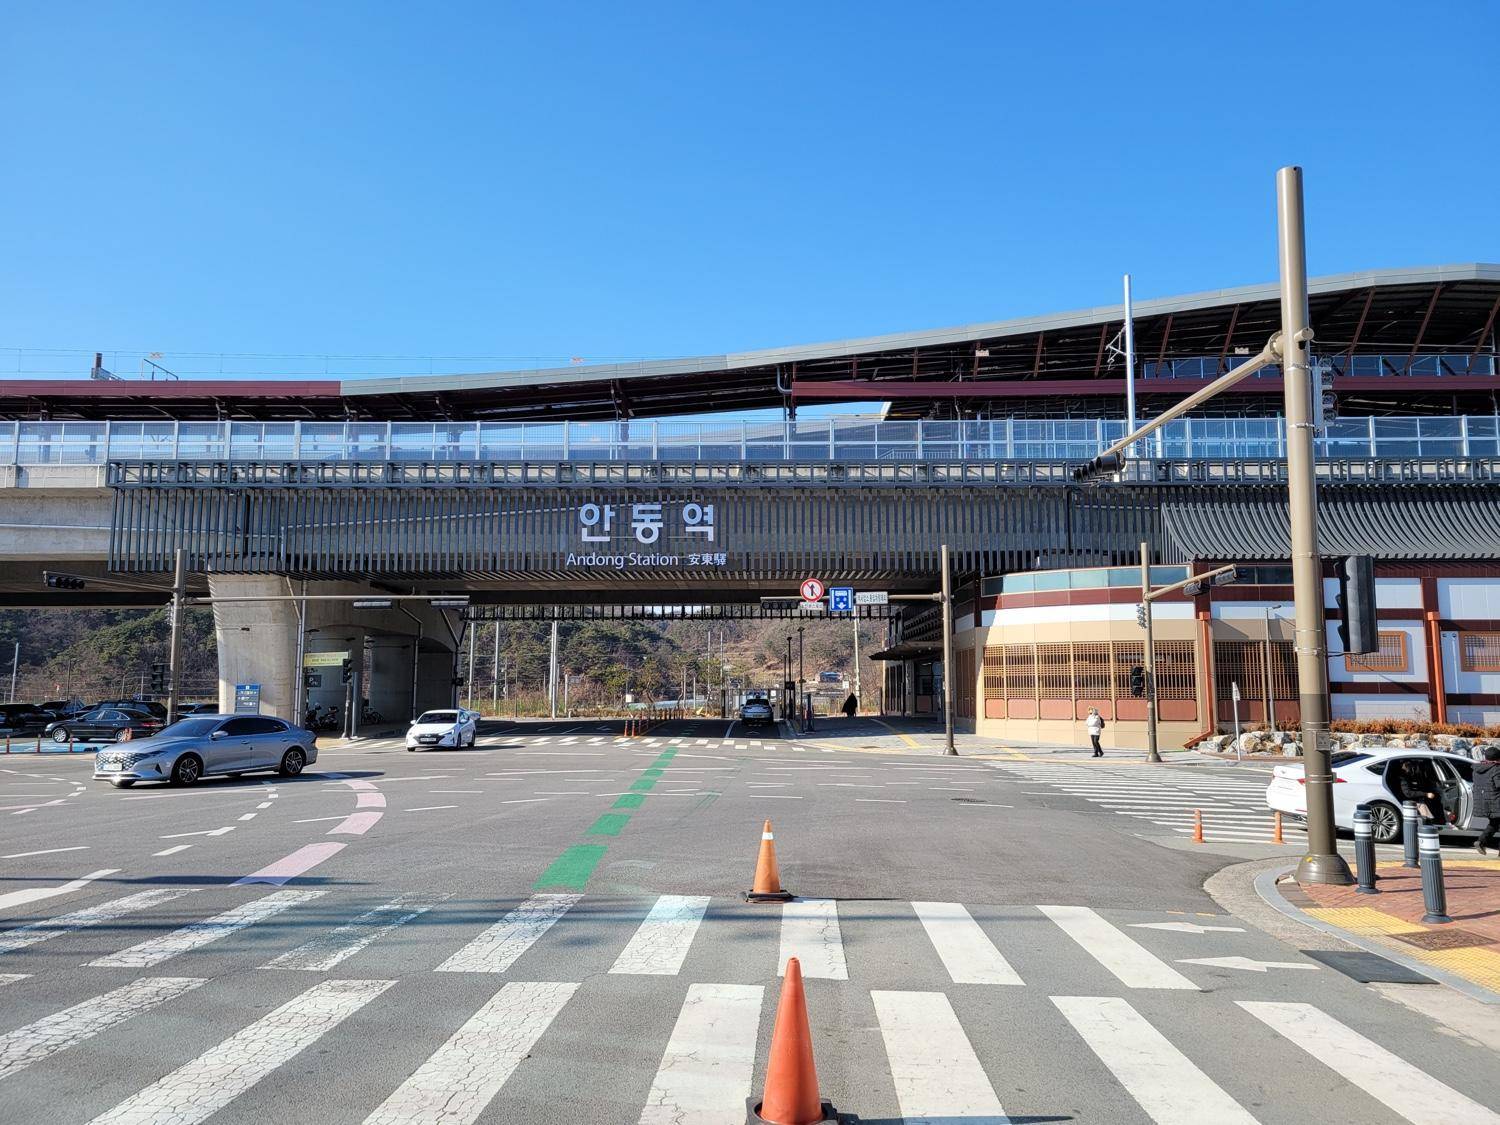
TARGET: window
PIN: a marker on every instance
(994, 673)
(262, 726)
(1479, 652)
(1390, 658)
(238, 727)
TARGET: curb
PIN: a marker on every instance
(1270, 893)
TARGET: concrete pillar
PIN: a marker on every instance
(257, 641)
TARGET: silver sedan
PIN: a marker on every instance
(205, 745)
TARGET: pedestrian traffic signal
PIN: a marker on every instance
(1137, 681)
(159, 677)
(1359, 628)
(1104, 463)
(1140, 614)
(347, 671)
(63, 581)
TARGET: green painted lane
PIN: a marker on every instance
(573, 868)
(629, 801)
(609, 824)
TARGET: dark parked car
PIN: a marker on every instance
(186, 709)
(104, 724)
(63, 708)
(146, 706)
(22, 719)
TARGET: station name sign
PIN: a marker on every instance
(621, 536)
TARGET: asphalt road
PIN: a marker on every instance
(549, 927)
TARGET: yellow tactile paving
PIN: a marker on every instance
(1363, 920)
(1478, 964)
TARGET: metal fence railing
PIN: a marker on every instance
(844, 440)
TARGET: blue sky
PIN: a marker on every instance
(608, 181)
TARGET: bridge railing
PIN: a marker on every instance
(826, 441)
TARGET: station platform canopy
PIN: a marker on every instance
(1389, 335)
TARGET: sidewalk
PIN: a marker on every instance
(894, 735)
(1467, 948)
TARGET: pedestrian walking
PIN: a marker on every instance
(1487, 797)
(1094, 724)
(851, 706)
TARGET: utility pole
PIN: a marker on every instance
(552, 674)
(801, 677)
(495, 674)
(786, 678)
(15, 667)
(174, 644)
(1322, 863)
(1152, 754)
(473, 636)
(1129, 364)
(945, 607)
(857, 691)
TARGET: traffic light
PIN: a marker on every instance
(159, 677)
(1140, 614)
(1104, 463)
(1137, 681)
(346, 671)
(1194, 588)
(63, 581)
(1359, 630)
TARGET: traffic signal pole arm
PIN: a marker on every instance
(1206, 577)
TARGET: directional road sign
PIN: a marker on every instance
(841, 599)
(812, 589)
(872, 597)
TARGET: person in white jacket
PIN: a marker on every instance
(1094, 724)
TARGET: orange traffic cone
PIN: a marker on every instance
(767, 887)
(1276, 831)
(1197, 826)
(791, 1078)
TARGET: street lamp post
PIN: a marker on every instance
(1322, 863)
(786, 678)
(1152, 753)
(801, 679)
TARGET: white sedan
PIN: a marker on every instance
(1379, 778)
(434, 729)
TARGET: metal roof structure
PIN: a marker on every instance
(1400, 523)
(1047, 364)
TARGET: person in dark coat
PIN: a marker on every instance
(1487, 796)
(851, 706)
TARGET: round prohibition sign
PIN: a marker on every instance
(812, 590)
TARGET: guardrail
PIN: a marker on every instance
(829, 441)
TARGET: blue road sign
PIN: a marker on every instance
(841, 599)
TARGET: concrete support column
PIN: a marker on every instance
(257, 641)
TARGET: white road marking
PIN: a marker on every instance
(33, 932)
(462, 1077)
(199, 1089)
(430, 808)
(37, 894)
(50, 1034)
(210, 832)
(1156, 1074)
(264, 805)
(46, 851)
(810, 933)
(705, 1072)
(877, 801)
(1115, 950)
(1389, 1079)
(777, 797)
(1186, 927)
(173, 850)
(966, 951)
(1248, 964)
(155, 950)
(315, 820)
(11, 978)
(249, 816)
(661, 942)
(323, 953)
(938, 1077)
(495, 950)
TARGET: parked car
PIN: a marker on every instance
(185, 709)
(755, 711)
(149, 706)
(21, 720)
(63, 708)
(442, 728)
(104, 724)
(1369, 777)
(206, 745)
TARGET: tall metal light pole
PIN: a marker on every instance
(1322, 863)
(945, 606)
(786, 678)
(1149, 663)
(1129, 364)
(15, 667)
(552, 675)
(801, 677)
(174, 643)
(495, 677)
(473, 637)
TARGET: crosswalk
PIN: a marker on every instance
(532, 976)
(1233, 807)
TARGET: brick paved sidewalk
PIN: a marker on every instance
(1467, 947)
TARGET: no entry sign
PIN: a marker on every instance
(812, 589)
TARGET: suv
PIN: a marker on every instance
(756, 710)
(21, 719)
(146, 706)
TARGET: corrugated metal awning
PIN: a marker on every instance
(1388, 523)
(909, 650)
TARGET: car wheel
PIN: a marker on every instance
(1385, 819)
(411, 749)
(292, 762)
(59, 735)
(187, 770)
(123, 783)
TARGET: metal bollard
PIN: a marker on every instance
(1364, 850)
(1434, 897)
(1410, 819)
